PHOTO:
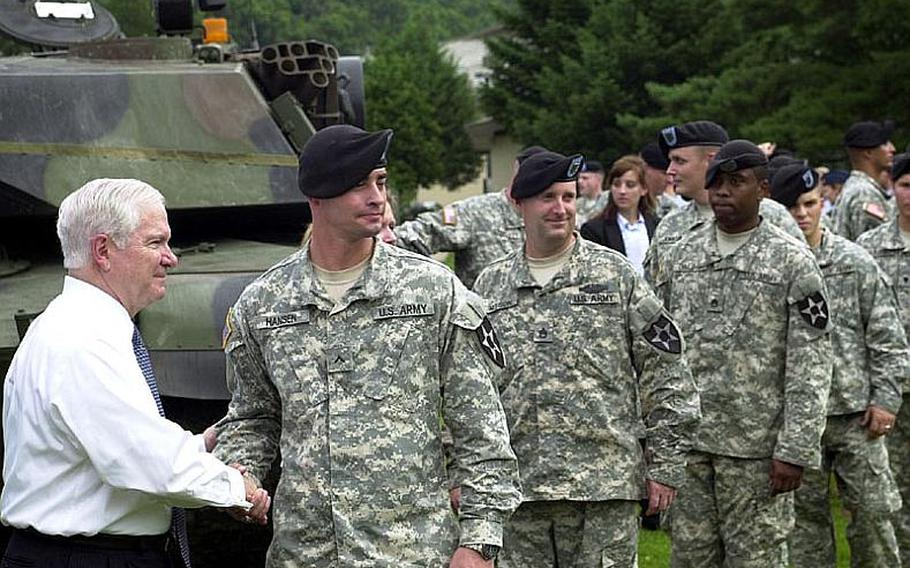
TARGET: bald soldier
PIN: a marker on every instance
(345, 356)
(863, 203)
(478, 229)
(871, 361)
(596, 365)
(690, 148)
(752, 304)
(890, 246)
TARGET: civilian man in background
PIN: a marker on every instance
(92, 467)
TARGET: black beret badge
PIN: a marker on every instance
(664, 335)
(669, 134)
(814, 310)
(574, 167)
(489, 343)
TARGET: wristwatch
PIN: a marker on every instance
(488, 551)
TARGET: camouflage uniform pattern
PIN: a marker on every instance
(478, 230)
(597, 365)
(888, 249)
(351, 394)
(681, 222)
(586, 208)
(871, 362)
(862, 205)
(730, 519)
(759, 351)
(586, 383)
(666, 205)
(580, 534)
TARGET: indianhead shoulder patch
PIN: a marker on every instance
(489, 342)
(814, 309)
(664, 335)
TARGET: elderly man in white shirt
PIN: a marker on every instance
(92, 467)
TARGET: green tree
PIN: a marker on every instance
(797, 73)
(416, 89)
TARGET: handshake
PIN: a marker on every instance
(258, 498)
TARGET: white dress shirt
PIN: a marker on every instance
(86, 451)
(635, 240)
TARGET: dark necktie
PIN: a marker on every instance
(178, 515)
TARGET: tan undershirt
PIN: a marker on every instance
(338, 282)
(906, 237)
(543, 269)
(728, 243)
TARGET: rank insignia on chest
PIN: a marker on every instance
(664, 335)
(489, 343)
(543, 335)
(814, 309)
(339, 360)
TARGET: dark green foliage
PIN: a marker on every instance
(796, 73)
(412, 87)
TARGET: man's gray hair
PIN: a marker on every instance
(109, 206)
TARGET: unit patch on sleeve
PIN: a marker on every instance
(664, 335)
(814, 309)
(490, 343)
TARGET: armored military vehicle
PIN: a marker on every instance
(215, 128)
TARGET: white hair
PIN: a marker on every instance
(102, 206)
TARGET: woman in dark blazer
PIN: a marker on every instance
(628, 221)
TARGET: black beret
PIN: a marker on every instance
(542, 170)
(836, 176)
(778, 162)
(698, 133)
(528, 152)
(900, 166)
(868, 134)
(734, 156)
(337, 158)
(592, 166)
(654, 156)
(791, 181)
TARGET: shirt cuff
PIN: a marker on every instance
(238, 489)
(200, 439)
(480, 531)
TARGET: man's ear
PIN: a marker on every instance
(764, 188)
(101, 245)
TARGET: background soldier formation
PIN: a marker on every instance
(762, 353)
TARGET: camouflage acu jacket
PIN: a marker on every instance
(596, 365)
(871, 360)
(681, 222)
(888, 249)
(757, 323)
(478, 230)
(862, 205)
(586, 208)
(351, 394)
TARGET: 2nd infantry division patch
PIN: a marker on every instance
(814, 310)
(490, 343)
(664, 335)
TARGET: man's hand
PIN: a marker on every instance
(455, 498)
(767, 148)
(467, 558)
(878, 421)
(259, 512)
(784, 476)
(210, 436)
(660, 497)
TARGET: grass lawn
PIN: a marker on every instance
(654, 546)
